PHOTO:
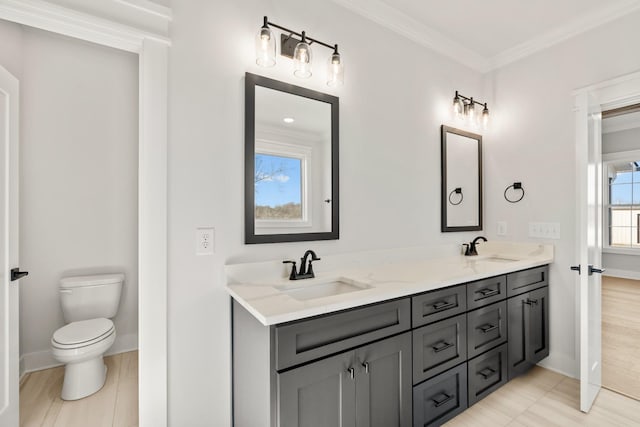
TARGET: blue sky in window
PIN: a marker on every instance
(625, 188)
(277, 180)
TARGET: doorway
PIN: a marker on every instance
(621, 248)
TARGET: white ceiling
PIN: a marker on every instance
(486, 34)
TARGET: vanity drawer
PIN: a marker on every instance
(487, 373)
(527, 280)
(441, 398)
(310, 339)
(438, 347)
(437, 305)
(487, 328)
(486, 291)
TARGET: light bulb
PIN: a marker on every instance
(335, 69)
(302, 57)
(471, 111)
(458, 106)
(265, 46)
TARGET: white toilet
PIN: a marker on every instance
(88, 302)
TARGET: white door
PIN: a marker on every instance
(9, 394)
(589, 183)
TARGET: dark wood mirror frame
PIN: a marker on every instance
(251, 81)
(444, 191)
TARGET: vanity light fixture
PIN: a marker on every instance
(465, 108)
(297, 49)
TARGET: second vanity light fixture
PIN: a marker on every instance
(297, 49)
(465, 108)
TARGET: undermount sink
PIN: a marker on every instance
(319, 289)
(497, 259)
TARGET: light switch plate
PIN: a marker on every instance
(544, 230)
(205, 240)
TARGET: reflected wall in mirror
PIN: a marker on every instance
(291, 163)
(461, 199)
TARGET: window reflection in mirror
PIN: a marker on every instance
(291, 140)
(461, 201)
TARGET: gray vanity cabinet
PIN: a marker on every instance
(528, 330)
(364, 387)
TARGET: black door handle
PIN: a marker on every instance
(576, 268)
(593, 269)
(17, 274)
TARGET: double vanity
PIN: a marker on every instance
(391, 342)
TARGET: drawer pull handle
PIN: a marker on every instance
(487, 292)
(352, 373)
(443, 345)
(366, 367)
(487, 328)
(441, 305)
(487, 372)
(445, 398)
(531, 301)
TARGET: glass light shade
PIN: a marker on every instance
(470, 111)
(302, 57)
(265, 48)
(458, 106)
(485, 117)
(335, 71)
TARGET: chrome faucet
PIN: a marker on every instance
(471, 247)
(306, 268)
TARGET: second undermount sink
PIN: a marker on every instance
(498, 259)
(321, 288)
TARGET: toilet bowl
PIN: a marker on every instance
(88, 303)
(80, 346)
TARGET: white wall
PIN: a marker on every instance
(395, 96)
(622, 265)
(78, 177)
(533, 142)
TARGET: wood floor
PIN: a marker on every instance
(115, 405)
(621, 335)
(543, 398)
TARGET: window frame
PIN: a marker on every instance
(608, 159)
(293, 151)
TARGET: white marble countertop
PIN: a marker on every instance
(261, 293)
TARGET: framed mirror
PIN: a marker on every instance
(461, 201)
(291, 163)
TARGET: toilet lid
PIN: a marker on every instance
(84, 332)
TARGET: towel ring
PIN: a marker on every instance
(515, 186)
(456, 191)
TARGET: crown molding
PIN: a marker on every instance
(149, 7)
(400, 23)
(57, 19)
(579, 25)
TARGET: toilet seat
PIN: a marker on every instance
(81, 334)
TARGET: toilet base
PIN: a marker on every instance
(83, 379)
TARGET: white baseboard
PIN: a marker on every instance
(623, 274)
(39, 360)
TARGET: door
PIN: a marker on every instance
(383, 383)
(320, 394)
(9, 394)
(589, 241)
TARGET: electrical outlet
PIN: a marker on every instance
(205, 240)
(501, 228)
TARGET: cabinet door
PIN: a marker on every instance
(528, 330)
(383, 383)
(538, 327)
(320, 394)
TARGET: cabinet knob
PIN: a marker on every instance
(352, 373)
(366, 367)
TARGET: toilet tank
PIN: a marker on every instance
(89, 297)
